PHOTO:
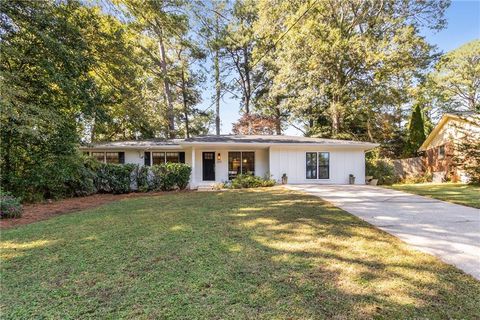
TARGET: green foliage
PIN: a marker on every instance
(114, 178)
(10, 206)
(416, 131)
(380, 168)
(142, 176)
(169, 176)
(248, 181)
(454, 85)
(419, 178)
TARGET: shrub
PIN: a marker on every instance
(170, 176)
(249, 181)
(419, 178)
(10, 206)
(381, 169)
(142, 176)
(114, 178)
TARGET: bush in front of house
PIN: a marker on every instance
(381, 169)
(143, 178)
(113, 178)
(10, 207)
(248, 181)
(170, 176)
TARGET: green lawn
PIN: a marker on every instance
(467, 195)
(261, 254)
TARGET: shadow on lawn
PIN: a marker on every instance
(240, 254)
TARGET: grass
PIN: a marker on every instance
(464, 194)
(263, 254)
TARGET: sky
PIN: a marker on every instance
(463, 25)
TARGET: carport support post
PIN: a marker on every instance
(192, 176)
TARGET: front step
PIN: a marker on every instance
(205, 188)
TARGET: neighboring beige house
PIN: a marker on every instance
(440, 145)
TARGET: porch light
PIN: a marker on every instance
(219, 156)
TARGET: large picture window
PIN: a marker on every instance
(240, 162)
(317, 165)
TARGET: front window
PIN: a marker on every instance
(100, 156)
(109, 157)
(311, 165)
(172, 157)
(317, 165)
(240, 162)
(164, 157)
(158, 158)
(112, 157)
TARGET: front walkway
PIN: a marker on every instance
(449, 231)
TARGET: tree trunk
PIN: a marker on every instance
(335, 116)
(217, 92)
(168, 94)
(185, 104)
(248, 88)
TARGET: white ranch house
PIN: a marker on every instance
(215, 159)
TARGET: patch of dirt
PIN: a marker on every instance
(45, 210)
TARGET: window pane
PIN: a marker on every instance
(323, 165)
(158, 157)
(112, 157)
(172, 157)
(311, 164)
(248, 163)
(100, 156)
(233, 164)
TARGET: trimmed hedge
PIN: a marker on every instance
(248, 181)
(170, 176)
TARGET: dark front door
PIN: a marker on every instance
(208, 166)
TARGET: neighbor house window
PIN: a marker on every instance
(441, 152)
(240, 162)
(317, 165)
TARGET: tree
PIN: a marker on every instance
(349, 65)
(45, 88)
(254, 124)
(211, 20)
(240, 42)
(454, 85)
(162, 22)
(416, 131)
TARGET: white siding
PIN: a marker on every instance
(291, 160)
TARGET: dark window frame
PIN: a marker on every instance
(441, 152)
(316, 168)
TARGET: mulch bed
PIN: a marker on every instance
(42, 211)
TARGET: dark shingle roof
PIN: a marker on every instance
(134, 144)
(269, 139)
(225, 139)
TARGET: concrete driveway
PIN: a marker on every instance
(449, 231)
